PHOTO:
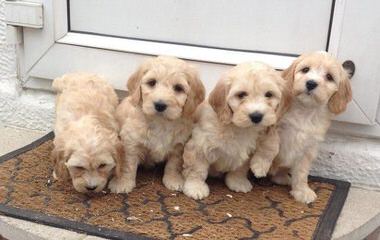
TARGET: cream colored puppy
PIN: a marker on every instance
(243, 106)
(321, 89)
(157, 118)
(86, 145)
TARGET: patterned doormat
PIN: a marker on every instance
(27, 191)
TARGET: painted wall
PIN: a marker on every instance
(351, 158)
(7, 56)
(19, 107)
(342, 157)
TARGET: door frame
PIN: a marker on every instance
(42, 53)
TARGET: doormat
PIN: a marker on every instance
(28, 191)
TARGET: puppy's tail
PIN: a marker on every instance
(61, 83)
(70, 80)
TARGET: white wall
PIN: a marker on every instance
(7, 56)
(18, 107)
(343, 157)
(352, 158)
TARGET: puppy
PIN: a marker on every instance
(86, 144)
(243, 106)
(321, 89)
(157, 118)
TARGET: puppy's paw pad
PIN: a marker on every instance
(121, 186)
(173, 182)
(238, 184)
(260, 169)
(196, 189)
(306, 195)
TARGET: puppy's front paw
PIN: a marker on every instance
(173, 182)
(260, 168)
(121, 185)
(238, 183)
(305, 195)
(196, 189)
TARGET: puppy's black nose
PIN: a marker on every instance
(91, 188)
(311, 84)
(160, 106)
(256, 117)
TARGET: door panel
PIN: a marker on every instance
(360, 42)
(289, 27)
(115, 66)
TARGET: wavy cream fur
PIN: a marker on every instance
(150, 137)
(86, 145)
(224, 137)
(305, 125)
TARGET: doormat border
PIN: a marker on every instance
(324, 228)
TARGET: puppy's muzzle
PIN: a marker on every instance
(160, 106)
(311, 84)
(256, 117)
(91, 188)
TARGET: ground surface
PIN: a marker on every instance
(360, 215)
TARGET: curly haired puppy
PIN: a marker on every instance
(157, 118)
(86, 144)
(241, 109)
(321, 89)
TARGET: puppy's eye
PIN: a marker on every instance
(329, 77)
(178, 88)
(269, 94)
(78, 168)
(152, 82)
(241, 95)
(305, 69)
(103, 165)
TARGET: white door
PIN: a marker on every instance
(113, 37)
(287, 27)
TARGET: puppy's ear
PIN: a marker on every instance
(287, 92)
(196, 94)
(288, 73)
(218, 101)
(118, 156)
(286, 98)
(59, 159)
(134, 83)
(338, 102)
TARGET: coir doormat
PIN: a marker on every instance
(27, 191)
